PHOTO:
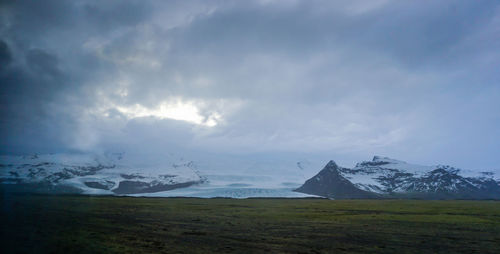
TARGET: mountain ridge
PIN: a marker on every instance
(94, 174)
(383, 177)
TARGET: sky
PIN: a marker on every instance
(344, 80)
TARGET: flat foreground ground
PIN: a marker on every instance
(82, 224)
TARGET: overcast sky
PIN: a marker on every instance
(345, 80)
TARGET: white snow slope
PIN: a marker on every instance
(102, 174)
(367, 175)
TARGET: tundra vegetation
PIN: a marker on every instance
(106, 224)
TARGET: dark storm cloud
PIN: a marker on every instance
(43, 89)
(414, 33)
(419, 34)
(26, 94)
(409, 79)
(5, 55)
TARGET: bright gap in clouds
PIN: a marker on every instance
(177, 111)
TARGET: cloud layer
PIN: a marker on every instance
(413, 80)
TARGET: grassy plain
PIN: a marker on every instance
(90, 224)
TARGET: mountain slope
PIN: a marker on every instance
(389, 178)
(161, 174)
(331, 184)
(93, 174)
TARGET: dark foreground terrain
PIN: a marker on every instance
(82, 224)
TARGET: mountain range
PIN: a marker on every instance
(164, 174)
(117, 174)
(383, 177)
(91, 174)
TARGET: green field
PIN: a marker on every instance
(83, 224)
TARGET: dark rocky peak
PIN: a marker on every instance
(371, 164)
(331, 184)
(331, 165)
(377, 158)
(378, 161)
(445, 170)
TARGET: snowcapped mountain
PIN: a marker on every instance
(163, 174)
(385, 177)
(95, 174)
(173, 175)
